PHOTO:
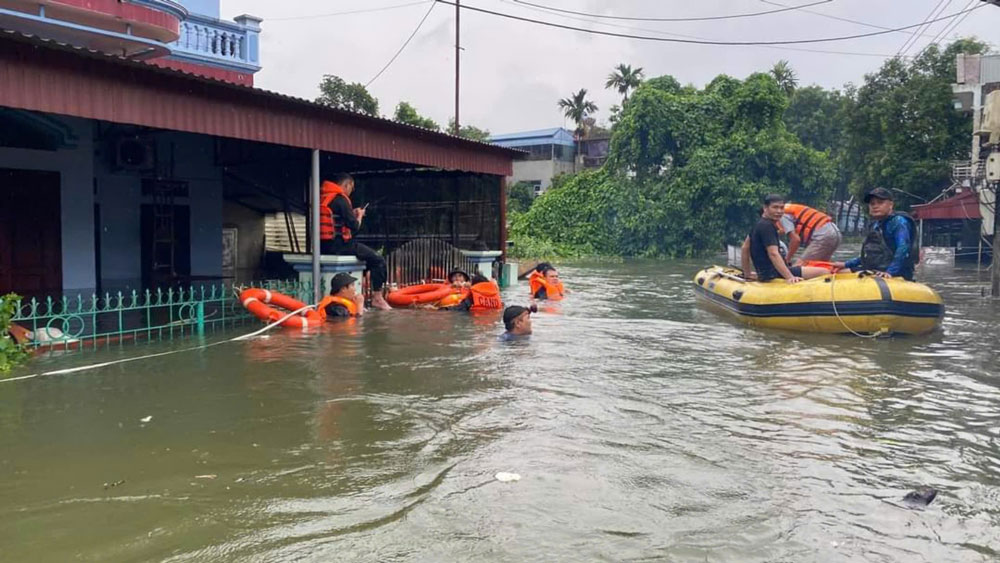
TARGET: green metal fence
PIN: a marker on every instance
(149, 316)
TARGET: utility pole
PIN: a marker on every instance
(458, 52)
(995, 274)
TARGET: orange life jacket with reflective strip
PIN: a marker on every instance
(807, 220)
(485, 297)
(538, 282)
(329, 226)
(351, 306)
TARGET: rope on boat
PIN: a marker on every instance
(833, 300)
(159, 354)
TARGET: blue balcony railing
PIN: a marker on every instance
(206, 40)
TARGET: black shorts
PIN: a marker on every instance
(795, 270)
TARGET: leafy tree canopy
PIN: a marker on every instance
(405, 113)
(337, 93)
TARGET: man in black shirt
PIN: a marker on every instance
(762, 247)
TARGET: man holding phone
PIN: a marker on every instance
(338, 221)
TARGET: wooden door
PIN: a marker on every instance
(30, 233)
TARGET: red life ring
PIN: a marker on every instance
(257, 301)
(418, 294)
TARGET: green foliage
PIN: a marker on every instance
(405, 113)
(624, 79)
(12, 354)
(337, 93)
(785, 76)
(469, 132)
(686, 173)
(577, 107)
(520, 196)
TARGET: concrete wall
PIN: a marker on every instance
(539, 170)
(75, 168)
(250, 239)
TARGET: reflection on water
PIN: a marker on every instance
(644, 428)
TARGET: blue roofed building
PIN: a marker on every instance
(550, 153)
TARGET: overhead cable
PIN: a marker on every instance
(948, 28)
(405, 43)
(839, 18)
(912, 39)
(689, 19)
(349, 12)
(699, 41)
(671, 34)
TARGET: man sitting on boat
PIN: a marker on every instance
(762, 247)
(810, 229)
(891, 247)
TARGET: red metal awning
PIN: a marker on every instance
(962, 206)
(46, 76)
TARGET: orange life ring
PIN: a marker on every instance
(258, 302)
(418, 294)
(456, 297)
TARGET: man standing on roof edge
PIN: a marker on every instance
(338, 222)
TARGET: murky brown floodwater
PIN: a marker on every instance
(643, 427)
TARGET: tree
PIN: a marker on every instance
(470, 132)
(337, 93)
(405, 113)
(624, 79)
(577, 107)
(785, 75)
(520, 196)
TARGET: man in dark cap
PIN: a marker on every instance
(891, 247)
(344, 300)
(517, 322)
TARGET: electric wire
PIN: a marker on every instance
(688, 19)
(698, 41)
(403, 46)
(946, 30)
(670, 34)
(913, 36)
(348, 12)
(841, 18)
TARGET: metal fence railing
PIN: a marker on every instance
(148, 316)
(425, 261)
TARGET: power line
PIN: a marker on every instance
(405, 43)
(699, 41)
(697, 19)
(840, 18)
(350, 12)
(668, 34)
(948, 28)
(912, 39)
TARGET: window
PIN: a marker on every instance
(536, 185)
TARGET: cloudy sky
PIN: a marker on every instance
(514, 72)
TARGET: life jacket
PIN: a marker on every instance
(485, 297)
(329, 225)
(351, 306)
(454, 299)
(807, 220)
(537, 282)
(879, 249)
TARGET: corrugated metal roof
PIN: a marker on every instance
(553, 136)
(43, 75)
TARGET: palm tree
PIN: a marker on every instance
(624, 79)
(785, 76)
(577, 107)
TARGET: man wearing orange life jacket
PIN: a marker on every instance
(338, 222)
(484, 295)
(545, 283)
(343, 300)
(814, 230)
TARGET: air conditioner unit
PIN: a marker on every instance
(133, 153)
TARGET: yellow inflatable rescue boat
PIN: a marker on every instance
(836, 303)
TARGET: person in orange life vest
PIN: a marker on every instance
(545, 284)
(810, 229)
(458, 279)
(343, 300)
(338, 222)
(484, 295)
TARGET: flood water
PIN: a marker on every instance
(643, 427)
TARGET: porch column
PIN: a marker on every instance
(317, 280)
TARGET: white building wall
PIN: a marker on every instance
(539, 171)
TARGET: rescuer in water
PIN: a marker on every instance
(344, 300)
(545, 283)
(517, 322)
(484, 295)
(338, 222)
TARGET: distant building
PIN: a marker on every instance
(186, 35)
(550, 153)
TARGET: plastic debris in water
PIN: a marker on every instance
(146, 418)
(114, 484)
(205, 476)
(507, 477)
(920, 497)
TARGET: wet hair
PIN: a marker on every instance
(479, 278)
(544, 267)
(454, 273)
(341, 178)
(773, 198)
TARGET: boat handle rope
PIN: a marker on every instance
(833, 301)
(78, 369)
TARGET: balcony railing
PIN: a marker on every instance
(208, 40)
(967, 170)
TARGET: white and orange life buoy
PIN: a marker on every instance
(418, 294)
(259, 301)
